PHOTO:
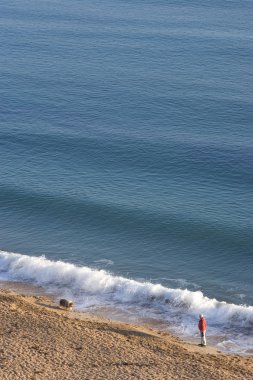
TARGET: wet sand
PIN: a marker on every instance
(40, 341)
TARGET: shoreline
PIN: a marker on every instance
(109, 314)
(134, 301)
(41, 341)
(29, 289)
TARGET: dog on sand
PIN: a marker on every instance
(68, 305)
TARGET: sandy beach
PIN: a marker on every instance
(40, 341)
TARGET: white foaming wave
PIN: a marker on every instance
(93, 282)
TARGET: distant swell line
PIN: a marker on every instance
(94, 211)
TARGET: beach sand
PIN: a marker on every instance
(40, 341)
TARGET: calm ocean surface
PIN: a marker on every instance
(126, 144)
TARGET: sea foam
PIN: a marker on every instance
(177, 308)
(83, 282)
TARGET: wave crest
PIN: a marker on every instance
(84, 282)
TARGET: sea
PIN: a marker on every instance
(126, 159)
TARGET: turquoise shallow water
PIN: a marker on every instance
(126, 145)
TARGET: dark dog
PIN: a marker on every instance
(66, 304)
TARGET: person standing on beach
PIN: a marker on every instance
(202, 329)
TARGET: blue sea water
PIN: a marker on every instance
(126, 145)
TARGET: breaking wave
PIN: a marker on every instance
(92, 287)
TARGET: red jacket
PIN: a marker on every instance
(202, 324)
